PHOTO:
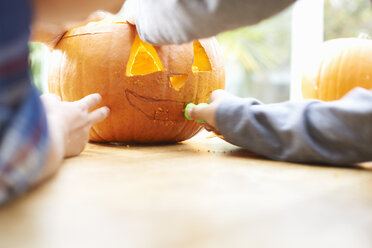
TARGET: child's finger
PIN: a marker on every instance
(99, 115)
(198, 112)
(90, 101)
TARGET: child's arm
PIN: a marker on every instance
(179, 21)
(33, 141)
(338, 132)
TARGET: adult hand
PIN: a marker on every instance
(50, 33)
(130, 11)
(73, 119)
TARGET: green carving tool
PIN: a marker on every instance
(192, 105)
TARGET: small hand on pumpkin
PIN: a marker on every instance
(73, 120)
(208, 113)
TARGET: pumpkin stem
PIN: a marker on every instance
(364, 36)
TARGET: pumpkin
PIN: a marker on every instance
(146, 87)
(341, 65)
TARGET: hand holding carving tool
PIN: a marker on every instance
(192, 105)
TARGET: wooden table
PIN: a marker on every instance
(203, 193)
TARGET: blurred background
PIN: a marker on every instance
(262, 60)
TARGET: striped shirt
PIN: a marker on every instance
(23, 128)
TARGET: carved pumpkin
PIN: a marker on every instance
(341, 65)
(146, 87)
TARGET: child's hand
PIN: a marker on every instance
(208, 113)
(73, 119)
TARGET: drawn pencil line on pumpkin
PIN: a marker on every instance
(160, 110)
(78, 35)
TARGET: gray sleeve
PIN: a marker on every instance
(179, 21)
(338, 132)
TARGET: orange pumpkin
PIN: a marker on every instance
(340, 66)
(146, 87)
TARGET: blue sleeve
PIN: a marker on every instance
(338, 132)
(23, 127)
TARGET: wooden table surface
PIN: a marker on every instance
(203, 193)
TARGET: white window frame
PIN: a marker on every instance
(307, 35)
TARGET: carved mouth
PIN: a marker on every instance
(156, 109)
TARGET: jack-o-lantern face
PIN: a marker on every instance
(146, 87)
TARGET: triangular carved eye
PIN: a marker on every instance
(143, 59)
(201, 60)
